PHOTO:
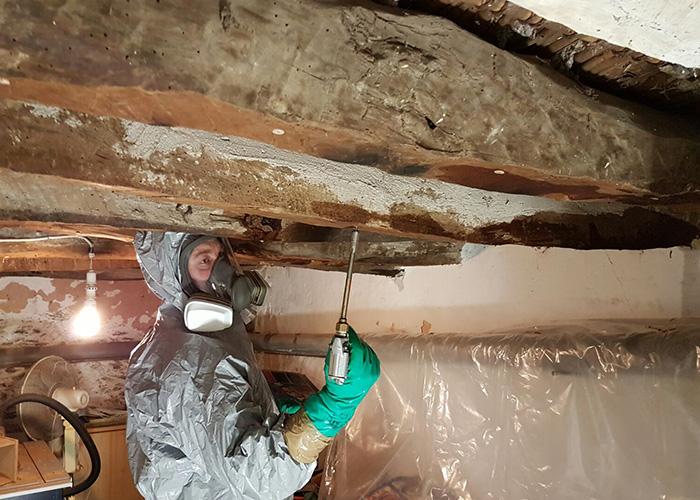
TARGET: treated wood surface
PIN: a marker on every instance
(372, 257)
(236, 177)
(414, 95)
(415, 109)
(55, 204)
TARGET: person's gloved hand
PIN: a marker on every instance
(332, 407)
(288, 405)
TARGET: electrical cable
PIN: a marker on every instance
(47, 238)
(79, 427)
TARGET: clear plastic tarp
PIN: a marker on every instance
(601, 411)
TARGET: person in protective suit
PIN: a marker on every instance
(201, 420)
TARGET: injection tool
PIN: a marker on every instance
(339, 350)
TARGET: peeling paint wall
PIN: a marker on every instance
(39, 312)
(493, 288)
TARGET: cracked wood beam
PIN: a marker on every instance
(60, 206)
(239, 176)
(411, 94)
(372, 257)
(595, 62)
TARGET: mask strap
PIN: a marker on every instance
(232, 257)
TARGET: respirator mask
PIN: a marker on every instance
(229, 290)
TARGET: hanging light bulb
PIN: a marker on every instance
(87, 322)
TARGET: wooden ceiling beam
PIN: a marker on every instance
(177, 169)
(118, 274)
(69, 257)
(413, 95)
(626, 72)
(61, 206)
(371, 256)
(64, 255)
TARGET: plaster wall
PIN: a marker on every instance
(39, 312)
(665, 29)
(493, 288)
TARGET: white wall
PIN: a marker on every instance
(666, 29)
(498, 288)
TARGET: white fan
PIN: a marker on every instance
(51, 376)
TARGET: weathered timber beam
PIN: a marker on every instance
(115, 259)
(237, 176)
(321, 265)
(377, 253)
(69, 263)
(57, 205)
(118, 274)
(372, 257)
(64, 255)
(328, 250)
(36, 228)
(413, 95)
(595, 62)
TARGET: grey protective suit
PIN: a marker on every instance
(201, 420)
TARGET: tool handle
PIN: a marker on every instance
(339, 358)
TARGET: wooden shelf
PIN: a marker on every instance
(38, 470)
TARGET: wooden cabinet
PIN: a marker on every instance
(115, 481)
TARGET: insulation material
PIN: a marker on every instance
(602, 411)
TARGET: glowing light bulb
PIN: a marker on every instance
(87, 323)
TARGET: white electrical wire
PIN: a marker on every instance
(47, 238)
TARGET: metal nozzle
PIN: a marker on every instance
(348, 278)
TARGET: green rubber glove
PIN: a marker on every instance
(332, 407)
(288, 405)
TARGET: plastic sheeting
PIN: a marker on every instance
(603, 411)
